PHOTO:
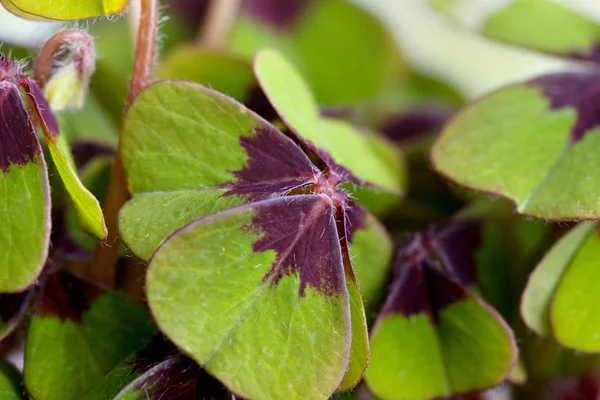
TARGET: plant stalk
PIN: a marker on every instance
(219, 18)
(107, 253)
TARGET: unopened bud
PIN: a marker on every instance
(64, 67)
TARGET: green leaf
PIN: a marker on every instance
(10, 382)
(25, 200)
(227, 74)
(434, 338)
(348, 147)
(95, 175)
(182, 164)
(345, 53)
(535, 143)
(257, 296)
(544, 280)
(575, 307)
(359, 352)
(66, 11)
(543, 25)
(86, 205)
(78, 335)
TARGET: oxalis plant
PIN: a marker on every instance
(278, 206)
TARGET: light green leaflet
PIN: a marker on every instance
(256, 334)
(560, 297)
(25, 225)
(535, 143)
(24, 196)
(227, 74)
(95, 175)
(544, 25)
(345, 53)
(413, 357)
(86, 206)
(359, 351)
(575, 308)
(173, 178)
(10, 382)
(64, 10)
(348, 147)
(543, 281)
(78, 335)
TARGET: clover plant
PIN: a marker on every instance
(274, 204)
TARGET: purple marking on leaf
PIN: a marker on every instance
(443, 291)
(275, 166)
(413, 251)
(416, 124)
(66, 296)
(39, 104)
(422, 289)
(433, 266)
(409, 294)
(450, 248)
(276, 13)
(302, 231)
(580, 90)
(19, 143)
(327, 160)
(456, 246)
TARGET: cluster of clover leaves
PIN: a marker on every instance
(286, 236)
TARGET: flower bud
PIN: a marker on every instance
(64, 67)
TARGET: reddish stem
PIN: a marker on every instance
(107, 252)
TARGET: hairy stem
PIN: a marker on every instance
(107, 253)
(218, 20)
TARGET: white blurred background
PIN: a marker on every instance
(473, 64)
